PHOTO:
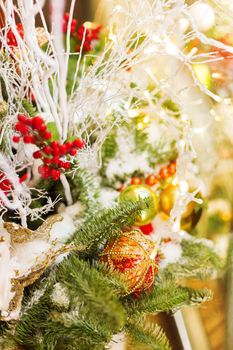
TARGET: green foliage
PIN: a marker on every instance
(96, 310)
(96, 295)
(147, 336)
(107, 224)
(109, 148)
(199, 261)
(93, 315)
(162, 154)
(173, 107)
(167, 296)
(3, 89)
(84, 188)
(200, 258)
(52, 127)
(141, 140)
(29, 108)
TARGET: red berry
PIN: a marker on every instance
(172, 168)
(62, 149)
(73, 152)
(73, 26)
(86, 46)
(66, 165)
(47, 135)
(23, 129)
(47, 161)
(147, 229)
(5, 185)
(55, 144)
(37, 122)
(23, 178)
(56, 151)
(151, 180)
(22, 118)
(44, 171)
(29, 122)
(135, 181)
(47, 150)
(52, 172)
(55, 160)
(66, 16)
(28, 139)
(42, 129)
(16, 138)
(68, 145)
(79, 143)
(163, 173)
(37, 154)
(64, 27)
(55, 174)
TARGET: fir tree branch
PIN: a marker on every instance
(107, 224)
(94, 291)
(84, 188)
(94, 313)
(109, 148)
(167, 296)
(147, 336)
(199, 261)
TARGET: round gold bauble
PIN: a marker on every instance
(135, 193)
(192, 213)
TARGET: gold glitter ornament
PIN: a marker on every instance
(135, 256)
(135, 193)
(192, 213)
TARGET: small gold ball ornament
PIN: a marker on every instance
(135, 193)
(192, 213)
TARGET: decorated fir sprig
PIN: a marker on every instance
(91, 82)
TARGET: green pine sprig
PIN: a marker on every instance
(147, 336)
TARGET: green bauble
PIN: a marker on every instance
(135, 193)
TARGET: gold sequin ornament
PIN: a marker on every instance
(135, 193)
(135, 256)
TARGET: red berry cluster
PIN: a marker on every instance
(152, 179)
(11, 39)
(52, 153)
(88, 34)
(74, 23)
